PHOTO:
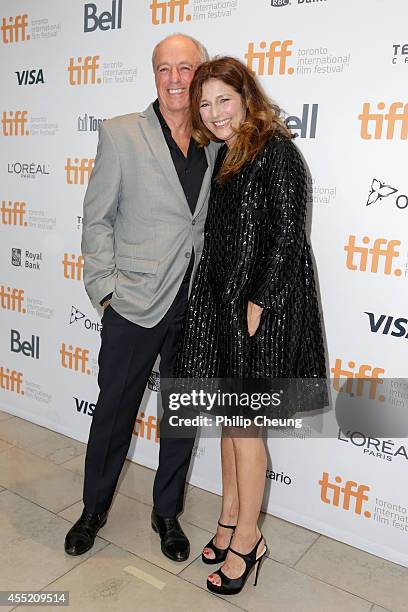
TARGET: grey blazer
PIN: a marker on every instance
(138, 230)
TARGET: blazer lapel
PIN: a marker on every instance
(160, 150)
(205, 186)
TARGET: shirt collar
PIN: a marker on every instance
(160, 117)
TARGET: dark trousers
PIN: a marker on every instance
(127, 355)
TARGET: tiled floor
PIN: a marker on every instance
(40, 496)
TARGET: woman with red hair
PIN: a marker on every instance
(253, 312)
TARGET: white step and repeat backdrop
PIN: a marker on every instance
(339, 68)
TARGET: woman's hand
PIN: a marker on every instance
(254, 313)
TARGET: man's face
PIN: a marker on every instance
(175, 63)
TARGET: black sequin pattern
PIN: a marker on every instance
(255, 249)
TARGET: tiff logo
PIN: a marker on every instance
(84, 73)
(74, 358)
(11, 380)
(16, 29)
(144, 427)
(12, 299)
(106, 20)
(334, 494)
(373, 123)
(77, 171)
(13, 213)
(279, 51)
(30, 77)
(167, 11)
(73, 267)
(14, 123)
(382, 249)
(348, 381)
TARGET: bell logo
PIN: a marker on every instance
(74, 358)
(15, 30)
(334, 494)
(12, 299)
(278, 50)
(373, 123)
(13, 213)
(11, 380)
(78, 170)
(169, 16)
(106, 21)
(355, 381)
(84, 72)
(144, 427)
(13, 123)
(73, 267)
(382, 249)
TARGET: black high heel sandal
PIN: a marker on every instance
(220, 553)
(233, 586)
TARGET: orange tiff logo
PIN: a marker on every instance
(382, 123)
(165, 12)
(12, 299)
(13, 213)
(14, 123)
(334, 494)
(267, 61)
(11, 380)
(359, 257)
(84, 70)
(79, 170)
(73, 267)
(74, 358)
(15, 30)
(144, 427)
(354, 382)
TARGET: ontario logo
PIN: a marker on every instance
(78, 316)
(380, 190)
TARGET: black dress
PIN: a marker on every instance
(255, 249)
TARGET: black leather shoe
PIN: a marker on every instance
(174, 542)
(81, 537)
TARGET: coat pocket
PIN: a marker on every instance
(136, 264)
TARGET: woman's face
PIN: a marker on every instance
(221, 109)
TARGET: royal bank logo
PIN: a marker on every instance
(77, 316)
(380, 190)
(304, 126)
(367, 256)
(15, 29)
(16, 257)
(30, 77)
(29, 260)
(154, 381)
(278, 3)
(173, 11)
(106, 20)
(89, 123)
(388, 324)
(385, 123)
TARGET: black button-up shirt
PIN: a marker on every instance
(190, 170)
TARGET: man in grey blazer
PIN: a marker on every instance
(144, 214)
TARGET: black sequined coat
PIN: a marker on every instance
(255, 248)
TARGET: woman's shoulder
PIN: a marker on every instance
(281, 144)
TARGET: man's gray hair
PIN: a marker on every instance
(200, 47)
